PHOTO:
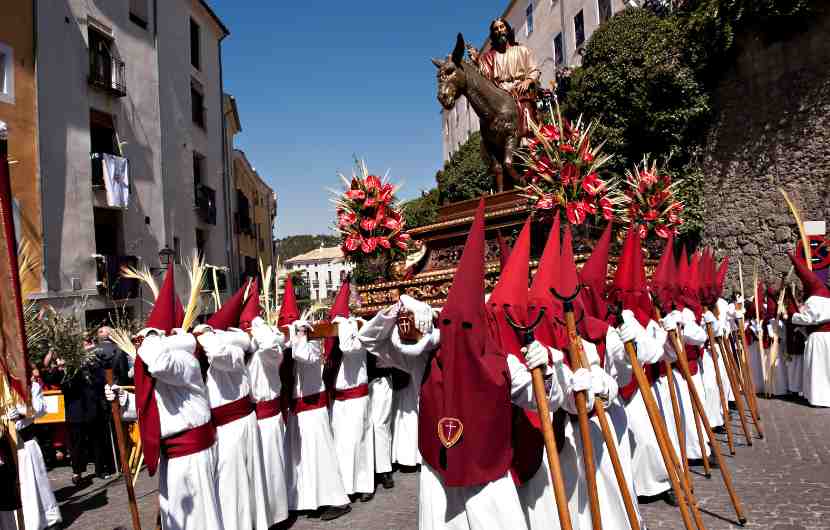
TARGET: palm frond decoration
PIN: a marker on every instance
(121, 337)
(196, 273)
(143, 275)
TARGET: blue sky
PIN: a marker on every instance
(318, 82)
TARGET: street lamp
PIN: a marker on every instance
(165, 257)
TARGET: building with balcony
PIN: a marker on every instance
(556, 31)
(131, 150)
(18, 125)
(323, 269)
(255, 209)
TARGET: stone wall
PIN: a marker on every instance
(772, 130)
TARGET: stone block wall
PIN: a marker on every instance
(772, 130)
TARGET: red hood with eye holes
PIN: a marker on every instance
(466, 386)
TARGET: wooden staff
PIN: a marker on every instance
(577, 358)
(122, 451)
(543, 408)
(696, 402)
(678, 421)
(713, 350)
(743, 360)
(737, 388)
(673, 469)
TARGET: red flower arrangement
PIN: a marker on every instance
(650, 201)
(369, 219)
(563, 171)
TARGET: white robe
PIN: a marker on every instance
(795, 372)
(381, 413)
(314, 478)
(777, 374)
(350, 419)
(264, 373)
(757, 361)
(816, 362)
(487, 507)
(239, 470)
(187, 485)
(40, 509)
(405, 424)
(711, 391)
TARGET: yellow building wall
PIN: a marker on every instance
(17, 32)
(260, 199)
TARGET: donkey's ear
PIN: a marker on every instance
(458, 52)
(438, 63)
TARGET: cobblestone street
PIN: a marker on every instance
(783, 481)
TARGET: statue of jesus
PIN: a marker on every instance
(511, 66)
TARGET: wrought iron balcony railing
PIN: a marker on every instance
(107, 73)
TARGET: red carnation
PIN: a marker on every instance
(575, 213)
(352, 242)
(662, 231)
(384, 242)
(588, 207)
(355, 195)
(347, 219)
(368, 224)
(372, 182)
(650, 215)
(674, 219)
(568, 174)
(592, 184)
(370, 202)
(607, 209)
(392, 223)
(550, 132)
(369, 245)
(567, 148)
(385, 195)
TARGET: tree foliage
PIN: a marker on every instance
(422, 210)
(465, 176)
(288, 247)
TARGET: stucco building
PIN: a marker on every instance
(324, 269)
(131, 146)
(18, 124)
(556, 31)
(255, 208)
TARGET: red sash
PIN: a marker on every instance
(189, 442)
(312, 402)
(267, 409)
(230, 412)
(821, 328)
(351, 393)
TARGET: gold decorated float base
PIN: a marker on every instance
(431, 278)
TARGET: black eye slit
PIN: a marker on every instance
(447, 321)
(466, 325)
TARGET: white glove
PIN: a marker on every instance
(536, 355)
(630, 329)
(669, 322)
(347, 335)
(598, 387)
(686, 317)
(422, 312)
(265, 336)
(581, 380)
(709, 318)
(110, 391)
(13, 415)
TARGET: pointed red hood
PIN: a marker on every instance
(665, 277)
(462, 445)
(720, 276)
(167, 312)
(550, 330)
(813, 286)
(331, 345)
(340, 308)
(251, 309)
(228, 315)
(629, 288)
(510, 295)
(594, 277)
(289, 312)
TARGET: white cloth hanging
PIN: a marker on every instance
(116, 180)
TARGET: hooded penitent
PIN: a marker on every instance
(594, 277)
(228, 315)
(550, 330)
(720, 277)
(664, 278)
(464, 422)
(813, 286)
(629, 287)
(289, 313)
(167, 314)
(251, 309)
(510, 297)
(334, 357)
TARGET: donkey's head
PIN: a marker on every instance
(452, 81)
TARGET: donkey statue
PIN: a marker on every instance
(497, 112)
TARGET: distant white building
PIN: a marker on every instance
(324, 270)
(556, 31)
